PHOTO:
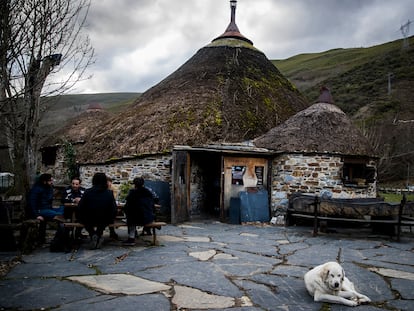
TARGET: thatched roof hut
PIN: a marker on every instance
(321, 128)
(79, 128)
(227, 92)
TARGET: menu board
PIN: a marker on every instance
(259, 174)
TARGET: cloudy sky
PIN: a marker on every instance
(140, 42)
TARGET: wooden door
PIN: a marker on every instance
(181, 187)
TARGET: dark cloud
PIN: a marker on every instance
(140, 42)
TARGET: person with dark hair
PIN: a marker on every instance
(41, 199)
(73, 194)
(139, 208)
(97, 209)
(40, 202)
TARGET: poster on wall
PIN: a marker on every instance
(237, 173)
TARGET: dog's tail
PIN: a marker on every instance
(338, 257)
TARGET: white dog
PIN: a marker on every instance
(328, 283)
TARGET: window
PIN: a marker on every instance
(181, 176)
(49, 155)
(357, 173)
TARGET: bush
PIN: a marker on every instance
(123, 191)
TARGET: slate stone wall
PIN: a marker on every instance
(155, 168)
(314, 174)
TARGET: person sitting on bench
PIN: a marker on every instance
(139, 208)
(73, 194)
(40, 206)
(97, 209)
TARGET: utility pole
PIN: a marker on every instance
(408, 175)
(389, 83)
(405, 30)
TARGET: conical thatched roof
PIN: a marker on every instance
(227, 92)
(321, 128)
(79, 128)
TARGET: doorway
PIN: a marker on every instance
(205, 185)
(206, 180)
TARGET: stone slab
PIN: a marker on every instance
(120, 284)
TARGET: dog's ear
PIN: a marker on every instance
(324, 274)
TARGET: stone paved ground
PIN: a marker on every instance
(211, 266)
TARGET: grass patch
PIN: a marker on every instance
(394, 197)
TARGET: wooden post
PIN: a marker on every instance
(400, 211)
(315, 214)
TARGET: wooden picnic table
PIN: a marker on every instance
(72, 222)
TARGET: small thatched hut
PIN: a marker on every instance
(320, 151)
(321, 128)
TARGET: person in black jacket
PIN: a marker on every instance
(139, 208)
(73, 194)
(97, 209)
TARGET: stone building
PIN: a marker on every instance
(55, 148)
(228, 92)
(226, 124)
(319, 151)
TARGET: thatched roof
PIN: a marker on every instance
(228, 91)
(321, 128)
(79, 128)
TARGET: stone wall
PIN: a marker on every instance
(58, 170)
(152, 167)
(314, 174)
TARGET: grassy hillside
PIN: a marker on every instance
(374, 86)
(57, 110)
(308, 70)
(356, 76)
(359, 79)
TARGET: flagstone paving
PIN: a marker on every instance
(211, 266)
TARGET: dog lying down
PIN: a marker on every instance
(328, 283)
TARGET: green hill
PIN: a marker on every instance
(374, 86)
(57, 110)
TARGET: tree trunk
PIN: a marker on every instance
(35, 79)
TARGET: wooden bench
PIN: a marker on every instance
(396, 220)
(157, 225)
(28, 235)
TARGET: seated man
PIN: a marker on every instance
(139, 208)
(40, 201)
(97, 209)
(73, 194)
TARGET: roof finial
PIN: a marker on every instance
(232, 31)
(233, 4)
(325, 95)
(232, 26)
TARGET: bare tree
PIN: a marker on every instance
(42, 51)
